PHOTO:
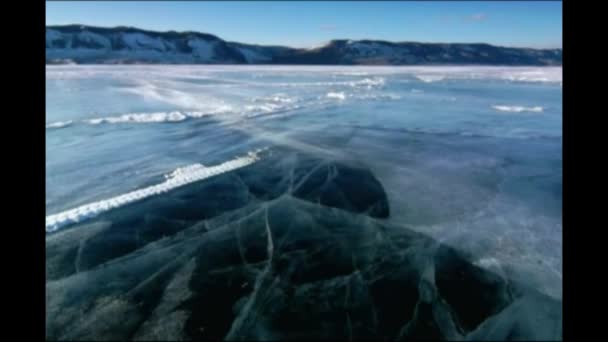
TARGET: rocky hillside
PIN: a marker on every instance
(123, 45)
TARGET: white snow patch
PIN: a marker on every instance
(174, 116)
(430, 78)
(266, 107)
(177, 178)
(59, 124)
(336, 95)
(367, 82)
(276, 98)
(142, 118)
(518, 109)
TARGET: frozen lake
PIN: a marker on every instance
(468, 156)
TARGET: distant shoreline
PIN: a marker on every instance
(173, 32)
(309, 65)
(81, 44)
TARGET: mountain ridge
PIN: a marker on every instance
(83, 44)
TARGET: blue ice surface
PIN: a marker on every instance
(471, 156)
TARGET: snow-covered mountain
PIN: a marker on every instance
(121, 45)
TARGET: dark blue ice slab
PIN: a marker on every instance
(290, 248)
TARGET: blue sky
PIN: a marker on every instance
(306, 24)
